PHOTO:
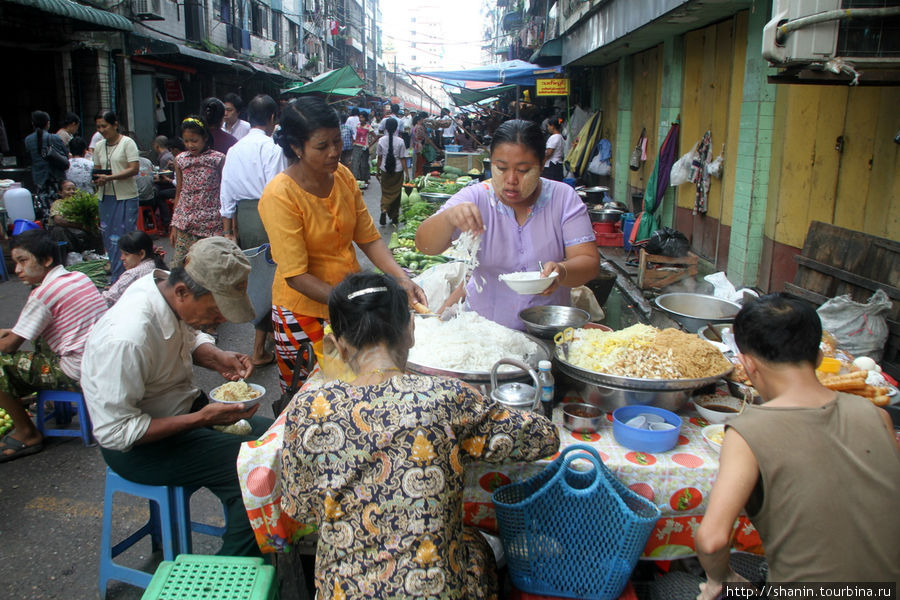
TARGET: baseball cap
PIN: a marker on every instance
(219, 265)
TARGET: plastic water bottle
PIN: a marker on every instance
(546, 380)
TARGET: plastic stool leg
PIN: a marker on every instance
(182, 498)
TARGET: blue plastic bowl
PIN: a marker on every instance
(644, 440)
(21, 225)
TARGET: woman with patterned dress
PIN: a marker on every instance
(198, 172)
(379, 464)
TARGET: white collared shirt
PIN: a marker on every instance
(249, 166)
(138, 365)
(238, 130)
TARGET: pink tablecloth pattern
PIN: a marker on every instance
(677, 481)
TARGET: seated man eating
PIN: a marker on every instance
(817, 471)
(60, 311)
(153, 426)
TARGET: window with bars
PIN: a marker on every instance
(259, 19)
(277, 18)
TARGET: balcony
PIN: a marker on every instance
(512, 20)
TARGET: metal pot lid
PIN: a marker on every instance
(599, 210)
(514, 394)
(613, 205)
(596, 188)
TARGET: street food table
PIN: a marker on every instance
(678, 482)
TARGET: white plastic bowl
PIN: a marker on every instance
(247, 403)
(528, 282)
(709, 432)
(703, 404)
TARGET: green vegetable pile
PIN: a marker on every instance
(5, 422)
(82, 208)
(413, 210)
(96, 270)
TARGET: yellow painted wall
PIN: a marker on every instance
(647, 82)
(609, 101)
(857, 188)
(712, 90)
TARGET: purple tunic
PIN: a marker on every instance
(558, 220)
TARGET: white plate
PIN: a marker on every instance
(533, 284)
(248, 403)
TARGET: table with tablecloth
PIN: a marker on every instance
(677, 481)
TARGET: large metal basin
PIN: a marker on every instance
(693, 311)
(482, 379)
(610, 392)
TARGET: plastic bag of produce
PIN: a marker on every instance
(439, 281)
(860, 329)
(681, 170)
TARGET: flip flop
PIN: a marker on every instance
(19, 449)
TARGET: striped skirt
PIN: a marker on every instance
(294, 336)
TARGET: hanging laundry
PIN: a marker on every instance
(699, 174)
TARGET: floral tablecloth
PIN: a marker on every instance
(678, 482)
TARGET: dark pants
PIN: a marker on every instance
(197, 458)
(553, 171)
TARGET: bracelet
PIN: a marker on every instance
(228, 232)
(566, 273)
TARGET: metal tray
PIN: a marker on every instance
(484, 377)
(632, 383)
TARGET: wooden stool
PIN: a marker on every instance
(674, 269)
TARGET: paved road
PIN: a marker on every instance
(51, 504)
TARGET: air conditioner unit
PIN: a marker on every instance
(147, 10)
(818, 31)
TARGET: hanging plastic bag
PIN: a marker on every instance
(860, 329)
(714, 168)
(599, 167)
(681, 170)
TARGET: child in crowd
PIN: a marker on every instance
(139, 259)
(198, 173)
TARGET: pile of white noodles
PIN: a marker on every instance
(235, 391)
(468, 342)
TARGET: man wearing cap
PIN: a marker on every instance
(153, 426)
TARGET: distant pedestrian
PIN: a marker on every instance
(212, 111)
(249, 166)
(347, 135)
(393, 170)
(68, 127)
(116, 155)
(198, 173)
(80, 167)
(353, 119)
(46, 176)
(360, 160)
(233, 123)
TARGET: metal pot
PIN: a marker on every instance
(694, 311)
(515, 395)
(613, 205)
(605, 215)
(596, 194)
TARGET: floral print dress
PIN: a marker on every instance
(196, 214)
(380, 470)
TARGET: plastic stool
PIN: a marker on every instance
(147, 221)
(213, 578)
(160, 527)
(62, 415)
(169, 526)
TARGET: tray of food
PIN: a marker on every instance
(641, 357)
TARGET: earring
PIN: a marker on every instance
(299, 157)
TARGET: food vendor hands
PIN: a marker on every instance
(465, 217)
(550, 267)
(232, 365)
(415, 293)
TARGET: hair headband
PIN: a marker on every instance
(364, 291)
(193, 120)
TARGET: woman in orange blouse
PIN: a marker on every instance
(313, 213)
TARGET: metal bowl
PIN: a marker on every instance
(546, 321)
(582, 418)
(605, 215)
(435, 197)
(693, 311)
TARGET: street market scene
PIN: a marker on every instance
(503, 299)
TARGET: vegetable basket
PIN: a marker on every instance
(573, 533)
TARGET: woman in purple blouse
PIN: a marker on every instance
(523, 219)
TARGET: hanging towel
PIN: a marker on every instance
(699, 174)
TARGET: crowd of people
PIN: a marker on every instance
(291, 177)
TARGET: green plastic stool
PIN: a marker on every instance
(199, 576)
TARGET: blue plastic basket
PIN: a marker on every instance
(573, 533)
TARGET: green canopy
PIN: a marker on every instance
(340, 82)
(465, 96)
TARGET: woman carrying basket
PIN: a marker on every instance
(379, 464)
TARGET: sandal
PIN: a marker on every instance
(18, 448)
(263, 363)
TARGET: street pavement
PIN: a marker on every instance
(51, 503)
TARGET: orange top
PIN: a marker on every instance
(314, 235)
